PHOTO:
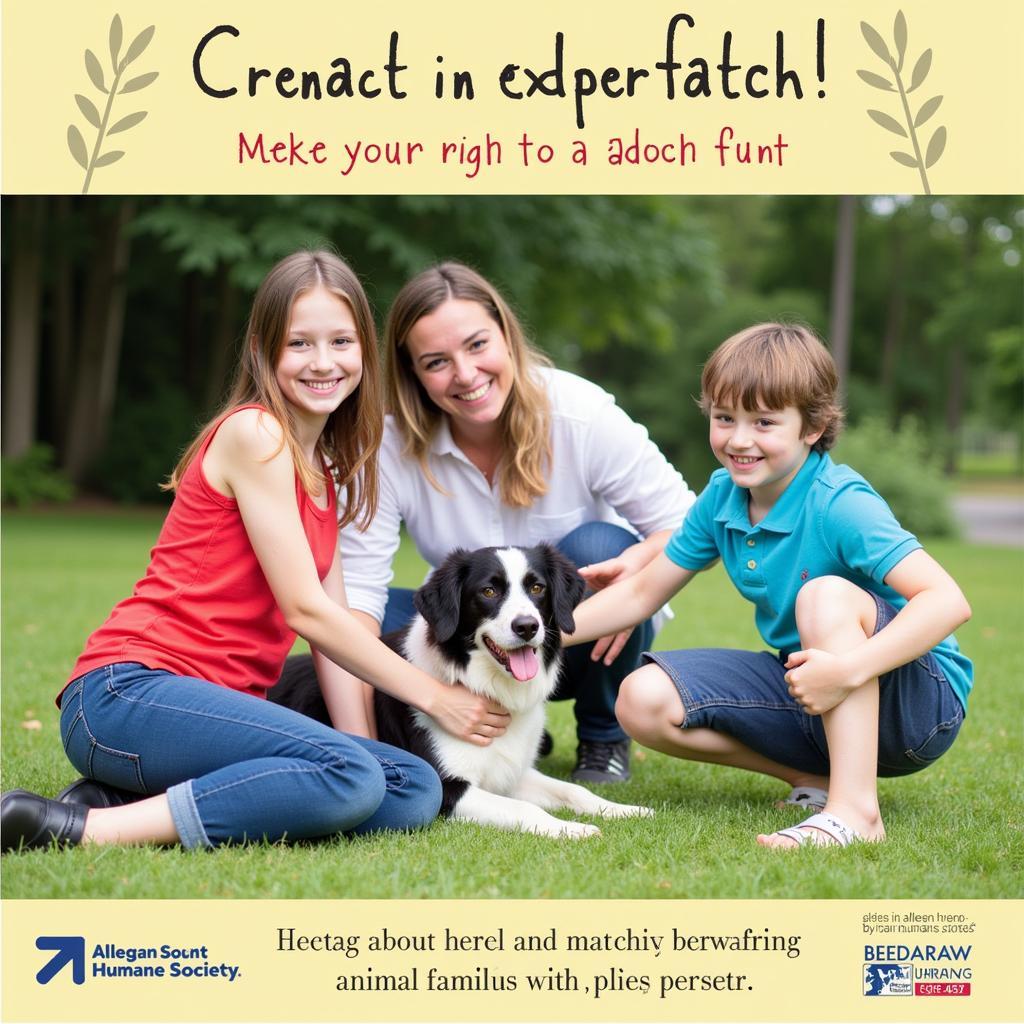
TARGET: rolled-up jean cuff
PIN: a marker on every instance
(186, 816)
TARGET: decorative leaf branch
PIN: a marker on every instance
(894, 64)
(118, 65)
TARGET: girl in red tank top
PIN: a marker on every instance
(167, 697)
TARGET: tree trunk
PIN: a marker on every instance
(895, 320)
(843, 267)
(62, 362)
(225, 335)
(954, 406)
(192, 331)
(103, 327)
(958, 366)
(21, 340)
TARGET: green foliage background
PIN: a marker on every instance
(632, 291)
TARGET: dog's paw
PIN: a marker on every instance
(575, 830)
(613, 810)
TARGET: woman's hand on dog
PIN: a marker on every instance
(601, 575)
(610, 647)
(469, 716)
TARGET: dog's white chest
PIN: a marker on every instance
(498, 767)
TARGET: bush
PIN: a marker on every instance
(899, 465)
(147, 436)
(33, 477)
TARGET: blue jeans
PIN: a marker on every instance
(592, 684)
(744, 694)
(234, 766)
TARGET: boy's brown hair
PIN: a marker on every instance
(771, 366)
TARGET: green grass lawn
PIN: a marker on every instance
(983, 466)
(954, 830)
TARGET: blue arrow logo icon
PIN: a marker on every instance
(70, 949)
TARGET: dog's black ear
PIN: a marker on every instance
(439, 600)
(566, 585)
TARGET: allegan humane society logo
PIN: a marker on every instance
(899, 970)
(110, 962)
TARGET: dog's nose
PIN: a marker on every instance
(525, 626)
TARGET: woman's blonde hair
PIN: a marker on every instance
(777, 365)
(526, 417)
(351, 437)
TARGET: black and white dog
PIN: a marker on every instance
(492, 620)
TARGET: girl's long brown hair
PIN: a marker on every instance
(526, 418)
(351, 437)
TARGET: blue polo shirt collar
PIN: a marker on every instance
(785, 513)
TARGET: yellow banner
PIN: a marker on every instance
(706, 960)
(695, 97)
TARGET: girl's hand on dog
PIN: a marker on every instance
(469, 716)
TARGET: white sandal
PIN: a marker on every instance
(807, 796)
(837, 830)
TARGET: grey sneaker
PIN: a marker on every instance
(602, 762)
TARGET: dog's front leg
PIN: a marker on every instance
(507, 812)
(550, 793)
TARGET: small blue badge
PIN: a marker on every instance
(888, 980)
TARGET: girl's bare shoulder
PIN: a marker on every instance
(247, 441)
(254, 433)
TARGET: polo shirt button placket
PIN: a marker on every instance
(753, 577)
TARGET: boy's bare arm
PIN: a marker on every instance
(622, 605)
(935, 608)
(613, 570)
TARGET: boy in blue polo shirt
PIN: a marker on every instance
(868, 680)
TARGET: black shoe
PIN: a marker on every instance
(602, 762)
(547, 744)
(29, 821)
(91, 793)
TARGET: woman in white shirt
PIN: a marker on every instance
(487, 444)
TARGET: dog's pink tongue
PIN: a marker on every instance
(522, 662)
